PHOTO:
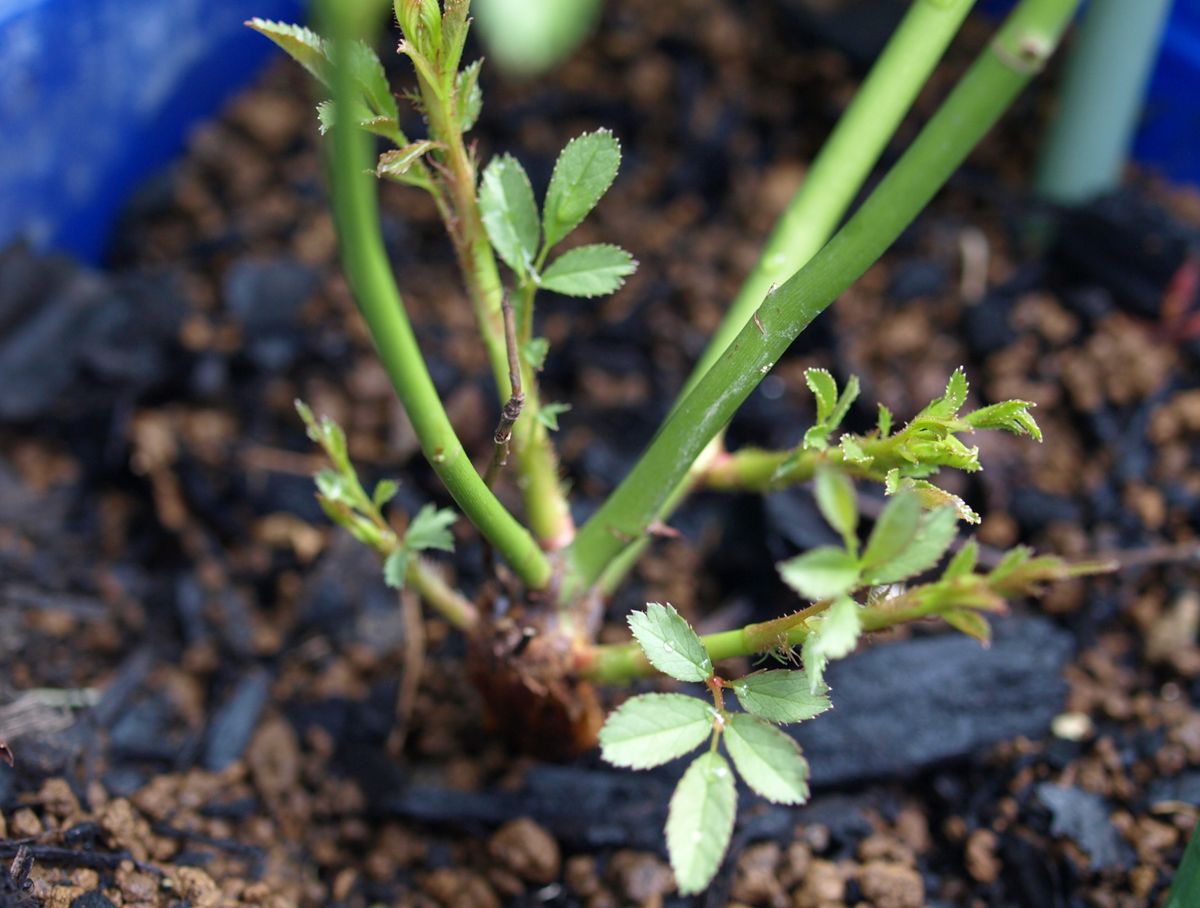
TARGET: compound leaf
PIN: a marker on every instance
(768, 759)
(653, 729)
(593, 270)
(700, 822)
(670, 644)
(582, 174)
(780, 695)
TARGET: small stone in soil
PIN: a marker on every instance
(1084, 818)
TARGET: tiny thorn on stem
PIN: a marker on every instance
(512, 409)
(658, 528)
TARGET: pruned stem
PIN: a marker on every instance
(375, 291)
(1029, 35)
(512, 407)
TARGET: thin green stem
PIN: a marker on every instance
(424, 578)
(1185, 890)
(365, 260)
(1018, 51)
(836, 176)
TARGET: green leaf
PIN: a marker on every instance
(832, 635)
(654, 729)
(395, 567)
(824, 388)
(852, 451)
(372, 80)
(534, 352)
(956, 390)
(700, 822)
(931, 497)
(385, 491)
(885, 421)
(468, 95)
(893, 530)
(548, 414)
(963, 562)
(821, 573)
(768, 759)
(399, 161)
(835, 498)
(325, 116)
(925, 548)
(303, 45)
(332, 485)
(582, 174)
(842, 407)
(780, 695)
(970, 623)
(430, 529)
(509, 212)
(670, 644)
(588, 271)
(1011, 416)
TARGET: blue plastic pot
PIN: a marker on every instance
(96, 94)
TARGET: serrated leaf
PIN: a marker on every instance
(395, 567)
(767, 759)
(509, 212)
(925, 548)
(430, 529)
(309, 419)
(372, 80)
(303, 45)
(584, 171)
(970, 623)
(385, 491)
(468, 95)
(669, 643)
(1010, 416)
(399, 161)
(588, 271)
(832, 635)
(780, 695)
(824, 389)
(963, 562)
(956, 389)
(325, 117)
(821, 573)
(654, 729)
(835, 498)
(1013, 559)
(535, 351)
(548, 414)
(852, 451)
(893, 530)
(700, 822)
(932, 497)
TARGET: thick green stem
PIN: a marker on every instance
(365, 260)
(1018, 51)
(845, 160)
(834, 179)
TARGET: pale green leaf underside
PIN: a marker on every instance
(582, 174)
(700, 822)
(396, 567)
(669, 643)
(509, 212)
(653, 729)
(780, 695)
(821, 573)
(430, 529)
(593, 270)
(768, 759)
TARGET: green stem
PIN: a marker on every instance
(845, 160)
(365, 260)
(834, 179)
(1019, 49)
(424, 578)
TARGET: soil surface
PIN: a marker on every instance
(200, 677)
